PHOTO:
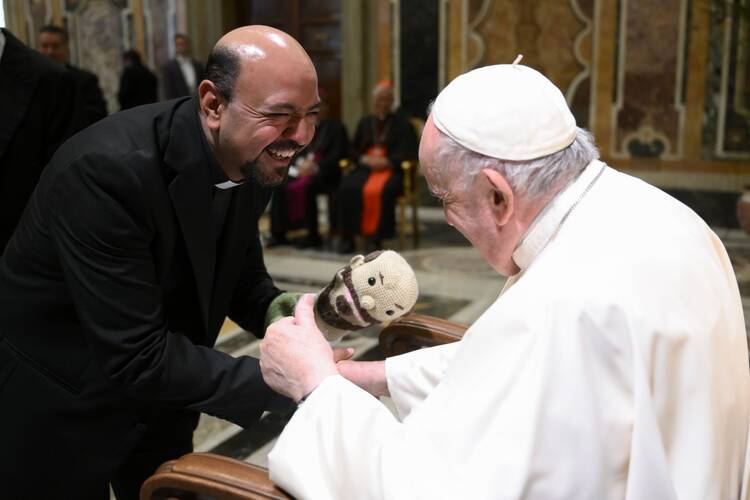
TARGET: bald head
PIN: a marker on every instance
(256, 50)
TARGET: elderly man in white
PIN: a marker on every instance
(613, 365)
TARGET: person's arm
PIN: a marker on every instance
(62, 119)
(167, 82)
(103, 233)
(402, 142)
(335, 150)
(126, 90)
(519, 415)
(255, 290)
(94, 105)
(408, 379)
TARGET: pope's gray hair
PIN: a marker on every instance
(530, 178)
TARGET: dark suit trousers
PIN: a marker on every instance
(83, 447)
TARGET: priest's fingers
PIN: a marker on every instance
(341, 354)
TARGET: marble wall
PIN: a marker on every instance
(101, 30)
(664, 84)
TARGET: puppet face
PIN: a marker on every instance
(386, 286)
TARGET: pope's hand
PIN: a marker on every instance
(294, 355)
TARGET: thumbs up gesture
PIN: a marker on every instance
(294, 355)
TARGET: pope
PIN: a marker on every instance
(614, 364)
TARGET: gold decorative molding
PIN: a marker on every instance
(695, 90)
(602, 78)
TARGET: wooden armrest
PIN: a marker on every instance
(414, 331)
(205, 475)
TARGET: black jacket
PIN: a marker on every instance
(113, 289)
(137, 86)
(38, 104)
(94, 106)
(173, 82)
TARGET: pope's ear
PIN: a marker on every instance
(212, 104)
(356, 261)
(499, 195)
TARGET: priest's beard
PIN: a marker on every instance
(269, 176)
(264, 177)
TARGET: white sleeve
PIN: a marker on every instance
(527, 415)
(412, 376)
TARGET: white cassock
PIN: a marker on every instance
(615, 366)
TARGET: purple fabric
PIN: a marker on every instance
(295, 197)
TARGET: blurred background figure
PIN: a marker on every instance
(180, 76)
(366, 199)
(53, 43)
(315, 171)
(38, 99)
(137, 82)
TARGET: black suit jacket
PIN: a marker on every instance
(332, 143)
(38, 112)
(137, 86)
(173, 81)
(113, 289)
(94, 106)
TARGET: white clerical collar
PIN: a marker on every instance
(2, 43)
(228, 184)
(549, 220)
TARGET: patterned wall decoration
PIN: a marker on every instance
(733, 120)
(96, 39)
(649, 102)
(554, 37)
(101, 30)
(665, 81)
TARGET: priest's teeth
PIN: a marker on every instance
(281, 155)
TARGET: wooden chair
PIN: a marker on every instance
(204, 476)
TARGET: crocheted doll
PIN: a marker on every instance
(378, 287)
(371, 289)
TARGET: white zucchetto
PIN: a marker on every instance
(505, 111)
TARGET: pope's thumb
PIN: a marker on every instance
(303, 312)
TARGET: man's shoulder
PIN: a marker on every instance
(16, 53)
(141, 129)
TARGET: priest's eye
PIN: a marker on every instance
(389, 312)
(371, 281)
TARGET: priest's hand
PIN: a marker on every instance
(294, 355)
(369, 375)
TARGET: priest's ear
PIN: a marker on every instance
(499, 194)
(212, 103)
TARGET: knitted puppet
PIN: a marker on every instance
(380, 286)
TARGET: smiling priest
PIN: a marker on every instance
(613, 365)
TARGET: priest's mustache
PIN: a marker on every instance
(285, 144)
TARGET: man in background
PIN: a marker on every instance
(38, 103)
(53, 42)
(137, 82)
(180, 76)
